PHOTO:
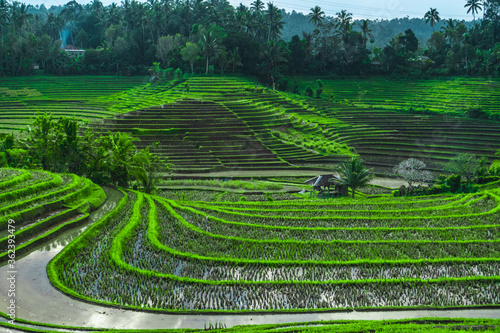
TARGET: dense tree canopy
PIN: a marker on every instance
(213, 36)
(54, 145)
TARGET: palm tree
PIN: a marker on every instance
(234, 58)
(155, 19)
(70, 13)
(147, 167)
(112, 16)
(354, 174)
(127, 14)
(96, 6)
(121, 148)
(166, 6)
(257, 6)
(366, 31)
(432, 16)
(449, 25)
(274, 55)
(273, 18)
(449, 29)
(54, 25)
(242, 17)
(209, 46)
(344, 21)
(474, 7)
(316, 16)
(4, 16)
(139, 14)
(186, 16)
(487, 4)
(255, 20)
(20, 16)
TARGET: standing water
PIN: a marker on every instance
(37, 300)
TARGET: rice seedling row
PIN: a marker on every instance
(222, 227)
(126, 281)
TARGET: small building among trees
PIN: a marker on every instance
(324, 183)
(73, 51)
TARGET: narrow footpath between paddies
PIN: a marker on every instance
(39, 301)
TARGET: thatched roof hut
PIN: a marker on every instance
(324, 182)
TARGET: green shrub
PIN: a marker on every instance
(422, 191)
(495, 168)
(318, 93)
(178, 74)
(453, 181)
(437, 189)
(467, 188)
(309, 92)
(169, 73)
(475, 112)
(8, 143)
(268, 197)
(3, 159)
(283, 84)
(441, 179)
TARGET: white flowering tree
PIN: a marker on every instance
(413, 171)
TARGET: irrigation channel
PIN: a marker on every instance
(39, 301)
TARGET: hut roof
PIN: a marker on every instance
(72, 48)
(322, 180)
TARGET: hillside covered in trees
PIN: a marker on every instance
(262, 40)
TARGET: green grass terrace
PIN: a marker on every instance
(36, 206)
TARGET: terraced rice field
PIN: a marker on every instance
(36, 206)
(197, 137)
(385, 138)
(372, 116)
(450, 96)
(171, 254)
(264, 112)
(225, 125)
(229, 123)
(83, 97)
(382, 135)
(168, 255)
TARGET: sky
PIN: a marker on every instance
(373, 9)
(366, 9)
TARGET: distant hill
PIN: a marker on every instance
(383, 30)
